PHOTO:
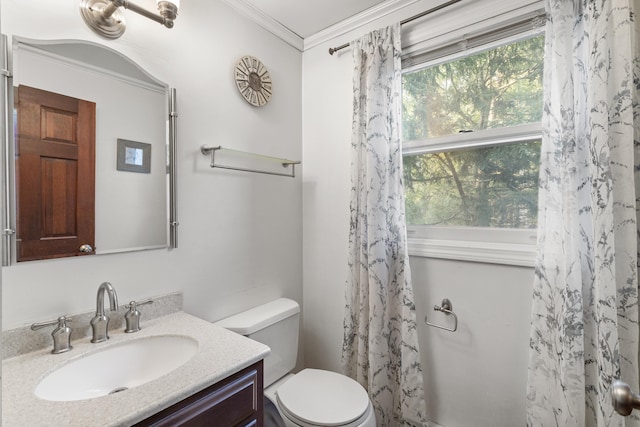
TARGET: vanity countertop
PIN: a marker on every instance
(221, 353)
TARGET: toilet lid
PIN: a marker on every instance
(323, 398)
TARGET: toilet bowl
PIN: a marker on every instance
(310, 398)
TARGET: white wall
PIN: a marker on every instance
(473, 377)
(240, 234)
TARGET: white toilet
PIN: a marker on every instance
(311, 397)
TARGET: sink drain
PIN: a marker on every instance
(118, 390)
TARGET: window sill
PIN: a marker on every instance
(517, 254)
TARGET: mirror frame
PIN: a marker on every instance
(7, 142)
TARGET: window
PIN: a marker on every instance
(471, 143)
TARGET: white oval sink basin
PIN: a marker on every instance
(117, 368)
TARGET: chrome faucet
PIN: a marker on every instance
(100, 322)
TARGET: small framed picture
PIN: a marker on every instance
(134, 156)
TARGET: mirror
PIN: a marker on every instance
(134, 140)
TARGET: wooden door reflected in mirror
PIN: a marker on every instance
(55, 174)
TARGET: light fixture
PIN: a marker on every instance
(105, 17)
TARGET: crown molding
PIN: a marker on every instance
(349, 24)
(343, 27)
(266, 22)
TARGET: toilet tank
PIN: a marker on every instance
(275, 324)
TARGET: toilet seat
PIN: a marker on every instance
(316, 397)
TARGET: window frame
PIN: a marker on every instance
(476, 244)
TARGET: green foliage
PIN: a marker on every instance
(486, 187)
(496, 88)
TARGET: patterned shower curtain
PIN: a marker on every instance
(380, 347)
(584, 330)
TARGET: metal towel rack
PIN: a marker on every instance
(446, 308)
(285, 162)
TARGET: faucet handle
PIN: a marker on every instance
(61, 334)
(132, 317)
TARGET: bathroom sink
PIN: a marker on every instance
(117, 368)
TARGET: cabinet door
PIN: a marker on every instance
(235, 401)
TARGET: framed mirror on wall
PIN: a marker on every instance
(132, 205)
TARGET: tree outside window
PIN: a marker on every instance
(494, 186)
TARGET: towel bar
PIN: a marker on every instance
(284, 162)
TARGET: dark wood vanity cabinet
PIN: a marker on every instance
(236, 401)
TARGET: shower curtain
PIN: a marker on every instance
(584, 328)
(380, 346)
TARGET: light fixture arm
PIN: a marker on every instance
(105, 17)
(115, 4)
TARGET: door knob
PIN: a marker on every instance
(86, 248)
(624, 400)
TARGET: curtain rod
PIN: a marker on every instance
(332, 50)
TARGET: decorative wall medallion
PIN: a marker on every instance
(253, 81)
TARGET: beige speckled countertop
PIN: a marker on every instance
(221, 353)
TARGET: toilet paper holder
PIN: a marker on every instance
(447, 308)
